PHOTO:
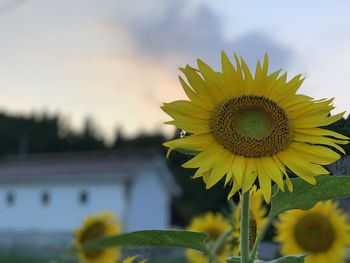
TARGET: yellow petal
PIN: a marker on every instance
(191, 125)
(213, 81)
(265, 67)
(220, 168)
(265, 184)
(322, 132)
(299, 167)
(314, 108)
(289, 183)
(228, 177)
(250, 174)
(198, 85)
(237, 169)
(235, 187)
(272, 170)
(238, 66)
(247, 75)
(196, 142)
(130, 259)
(186, 108)
(191, 94)
(314, 153)
(311, 122)
(201, 172)
(206, 176)
(228, 69)
(204, 159)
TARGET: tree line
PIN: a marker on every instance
(49, 134)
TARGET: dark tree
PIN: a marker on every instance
(141, 141)
(343, 127)
(43, 134)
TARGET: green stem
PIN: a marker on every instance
(258, 239)
(218, 244)
(245, 228)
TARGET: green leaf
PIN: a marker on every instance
(305, 195)
(288, 259)
(151, 238)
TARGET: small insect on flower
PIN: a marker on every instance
(96, 226)
(214, 225)
(247, 128)
(323, 233)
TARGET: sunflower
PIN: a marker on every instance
(249, 127)
(214, 225)
(101, 225)
(321, 232)
(257, 218)
(132, 260)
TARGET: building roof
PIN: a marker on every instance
(94, 165)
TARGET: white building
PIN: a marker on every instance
(53, 193)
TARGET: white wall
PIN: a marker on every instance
(150, 203)
(64, 210)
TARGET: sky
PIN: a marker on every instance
(117, 61)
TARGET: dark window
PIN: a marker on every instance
(83, 197)
(10, 198)
(45, 198)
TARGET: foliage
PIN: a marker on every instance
(20, 259)
(342, 126)
(38, 134)
(305, 196)
(152, 238)
(141, 141)
(43, 133)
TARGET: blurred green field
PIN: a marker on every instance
(14, 259)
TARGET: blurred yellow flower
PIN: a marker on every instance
(132, 260)
(214, 225)
(101, 225)
(249, 127)
(322, 232)
(256, 221)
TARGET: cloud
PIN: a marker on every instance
(185, 35)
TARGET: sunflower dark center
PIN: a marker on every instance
(214, 233)
(95, 230)
(314, 233)
(251, 126)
